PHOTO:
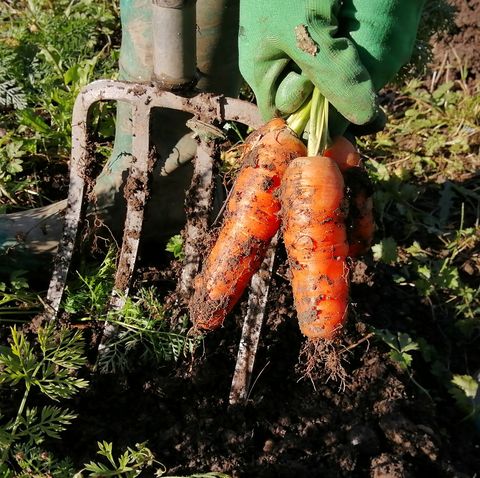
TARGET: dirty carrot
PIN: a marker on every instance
(344, 153)
(361, 223)
(251, 220)
(314, 232)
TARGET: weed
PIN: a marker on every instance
(131, 463)
(128, 465)
(49, 369)
(427, 206)
(17, 299)
(47, 54)
(89, 294)
(385, 250)
(465, 391)
(401, 346)
(175, 246)
(143, 336)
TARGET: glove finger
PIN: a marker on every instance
(292, 92)
(263, 75)
(334, 66)
(377, 124)
(261, 65)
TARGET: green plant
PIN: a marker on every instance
(143, 335)
(131, 463)
(175, 246)
(49, 369)
(12, 95)
(128, 465)
(48, 52)
(385, 250)
(465, 391)
(401, 346)
(17, 299)
(89, 294)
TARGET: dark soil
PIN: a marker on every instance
(381, 424)
(461, 48)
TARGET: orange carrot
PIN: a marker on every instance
(361, 226)
(314, 232)
(344, 153)
(251, 220)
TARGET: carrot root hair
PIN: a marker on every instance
(319, 360)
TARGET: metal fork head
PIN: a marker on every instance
(207, 109)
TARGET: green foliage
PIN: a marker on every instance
(89, 294)
(48, 52)
(385, 250)
(34, 462)
(401, 345)
(17, 298)
(415, 164)
(131, 463)
(50, 368)
(465, 391)
(210, 474)
(143, 335)
(175, 246)
(12, 95)
(128, 465)
(426, 203)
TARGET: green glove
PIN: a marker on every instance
(348, 49)
(383, 32)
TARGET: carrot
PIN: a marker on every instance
(251, 220)
(314, 232)
(344, 153)
(361, 227)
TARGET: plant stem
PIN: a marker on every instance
(20, 410)
(318, 134)
(16, 423)
(312, 116)
(299, 120)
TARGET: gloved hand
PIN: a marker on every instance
(348, 49)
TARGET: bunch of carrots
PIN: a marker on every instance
(282, 183)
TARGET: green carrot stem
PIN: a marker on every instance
(312, 116)
(298, 121)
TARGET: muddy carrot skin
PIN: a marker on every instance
(361, 227)
(315, 236)
(251, 220)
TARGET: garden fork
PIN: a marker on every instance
(174, 27)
